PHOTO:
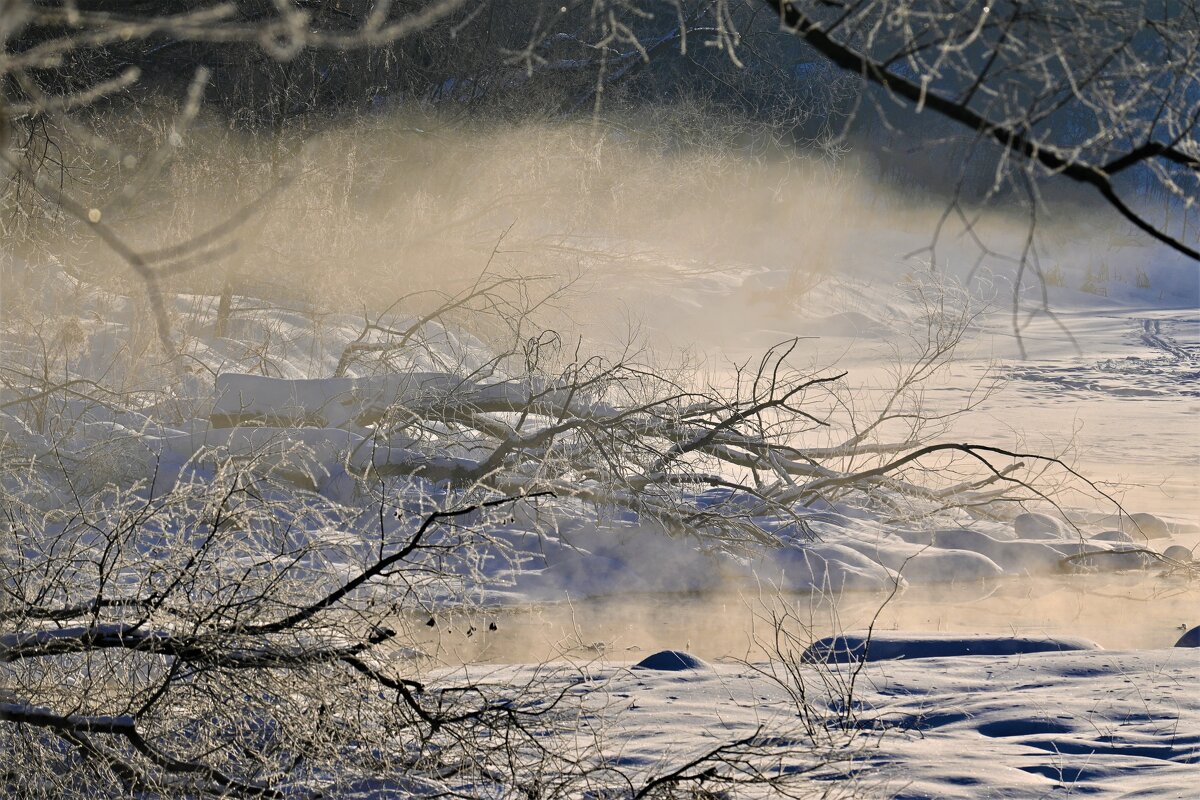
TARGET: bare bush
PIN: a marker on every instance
(214, 563)
(233, 608)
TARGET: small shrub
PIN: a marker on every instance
(1054, 276)
(1096, 280)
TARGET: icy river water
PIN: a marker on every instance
(1119, 611)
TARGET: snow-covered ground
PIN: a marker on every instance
(1110, 375)
(1096, 723)
(1110, 381)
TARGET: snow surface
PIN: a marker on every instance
(1093, 723)
(1114, 378)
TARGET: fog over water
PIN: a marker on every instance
(619, 398)
(701, 250)
(1120, 612)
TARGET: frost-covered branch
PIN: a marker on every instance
(1075, 88)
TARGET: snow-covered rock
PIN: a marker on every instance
(670, 661)
(1190, 639)
(927, 564)
(886, 645)
(828, 568)
(1144, 526)
(1032, 525)
(1178, 552)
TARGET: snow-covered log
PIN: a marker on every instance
(341, 402)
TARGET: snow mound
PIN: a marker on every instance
(1032, 525)
(1190, 639)
(925, 564)
(1178, 552)
(1145, 526)
(671, 661)
(1014, 556)
(890, 645)
(827, 567)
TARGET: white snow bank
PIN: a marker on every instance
(1088, 723)
(927, 564)
(1092, 723)
(1016, 556)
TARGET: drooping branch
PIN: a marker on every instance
(1016, 138)
(75, 727)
